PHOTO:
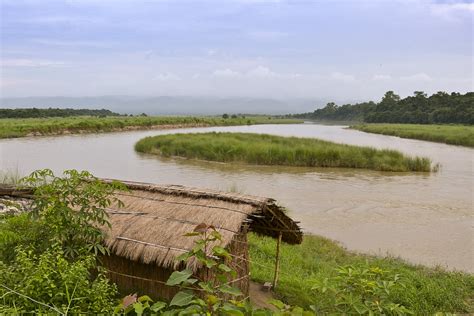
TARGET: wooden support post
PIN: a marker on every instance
(277, 261)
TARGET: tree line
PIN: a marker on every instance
(53, 112)
(439, 108)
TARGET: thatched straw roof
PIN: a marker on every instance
(151, 225)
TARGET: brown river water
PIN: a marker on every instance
(423, 218)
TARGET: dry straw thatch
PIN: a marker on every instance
(151, 226)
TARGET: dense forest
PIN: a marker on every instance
(439, 108)
(50, 112)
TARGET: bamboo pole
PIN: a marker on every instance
(277, 261)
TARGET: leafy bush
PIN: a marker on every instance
(72, 208)
(50, 283)
(21, 230)
(54, 266)
(360, 290)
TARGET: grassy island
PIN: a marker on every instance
(20, 127)
(450, 134)
(275, 150)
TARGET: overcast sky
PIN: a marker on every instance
(340, 50)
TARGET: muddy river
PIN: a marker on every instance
(424, 218)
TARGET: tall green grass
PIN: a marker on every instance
(426, 291)
(449, 134)
(275, 150)
(51, 126)
(11, 176)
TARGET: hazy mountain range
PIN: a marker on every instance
(169, 105)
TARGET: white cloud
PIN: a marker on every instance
(211, 52)
(168, 76)
(342, 77)
(381, 77)
(261, 71)
(452, 10)
(30, 63)
(417, 77)
(226, 73)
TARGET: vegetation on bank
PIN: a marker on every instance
(311, 274)
(70, 125)
(54, 267)
(264, 149)
(53, 112)
(450, 134)
(439, 108)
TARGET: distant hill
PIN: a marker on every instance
(165, 105)
(52, 112)
(439, 108)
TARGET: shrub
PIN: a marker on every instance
(361, 290)
(54, 266)
(50, 283)
(72, 208)
(20, 230)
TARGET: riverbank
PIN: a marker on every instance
(12, 128)
(462, 135)
(309, 273)
(261, 149)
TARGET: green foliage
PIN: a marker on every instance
(49, 283)
(439, 108)
(72, 208)
(275, 150)
(306, 268)
(48, 256)
(360, 290)
(449, 134)
(82, 124)
(20, 230)
(50, 112)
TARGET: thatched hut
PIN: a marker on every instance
(147, 232)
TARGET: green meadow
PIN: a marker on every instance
(423, 290)
(450, 134)
(10, 128)
(263, 149)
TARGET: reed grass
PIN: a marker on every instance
(263, 149)
(426, 291)
(449, 134)
(10, 128)
(10, 176)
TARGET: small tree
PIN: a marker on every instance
(73, 208)
(225, 116)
